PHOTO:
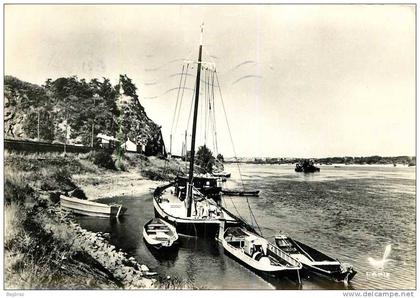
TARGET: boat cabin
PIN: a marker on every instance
(254, 246)
(208, 186)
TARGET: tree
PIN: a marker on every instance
(46, 125)
(205, 160)
(220, 158)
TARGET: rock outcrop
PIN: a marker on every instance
(75, 111)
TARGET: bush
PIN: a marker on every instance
(14, 216)
(154, 175)
(103, 158)
(121, 165)
(59, 179)
(78, 193)
(54, 196)
(158, 169)
(16, 189)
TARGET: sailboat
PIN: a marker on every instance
(192, 203)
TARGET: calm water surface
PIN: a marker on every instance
(350, 213)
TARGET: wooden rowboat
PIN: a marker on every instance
(90, 208)
(221, 174)
(159, 234)
(241, 193)
(257, 253)
(315, 261)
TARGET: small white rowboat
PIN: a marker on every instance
(159, 234)
(90, 208)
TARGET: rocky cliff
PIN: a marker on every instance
(75, 110)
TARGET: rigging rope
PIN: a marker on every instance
(214, 118)
(177, 100)
(182, 96)
(211, 118)
(206, 95)
(234, 152)
(208, 105)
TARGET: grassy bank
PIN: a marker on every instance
(45, 248)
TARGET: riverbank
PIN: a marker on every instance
(45, 248)
(113, 184)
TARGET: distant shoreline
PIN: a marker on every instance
(329, 165)
(347, 161)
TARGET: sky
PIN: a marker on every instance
(296, 80)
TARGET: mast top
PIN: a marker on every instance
(201, 34)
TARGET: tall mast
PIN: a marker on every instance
(194, 128)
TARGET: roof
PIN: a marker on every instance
(105, 137)
(129, 142)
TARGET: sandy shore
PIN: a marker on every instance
(112, 184)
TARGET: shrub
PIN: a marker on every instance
(153, 174)
(121, 165)
(14, 216)
(103, 158)
(158, 169)
(16, 189)
(54, 196)
(78, 193)
(58, 179)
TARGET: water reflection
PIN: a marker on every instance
(165, 258)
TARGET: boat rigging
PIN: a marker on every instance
(181, 202)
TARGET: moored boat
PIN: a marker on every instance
(160, 234)
(315, 261)
(306, 166)
(222, 174)
(240, 193)
(258, 254)
(171, 203)
(90, 208)
(193, 207)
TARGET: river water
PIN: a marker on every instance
(348, 212)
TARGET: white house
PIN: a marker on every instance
(130, 146)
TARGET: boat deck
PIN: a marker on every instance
(172, 205)
(238, 244)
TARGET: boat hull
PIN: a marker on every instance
(90, 208)
(252, 264)
(241, 193)
(203, 228)
(319, 263)
(335, 275)
(196, 228)
(160, 249)
(222, 175)
(158, 244)
(168, 244)
(292, 274)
